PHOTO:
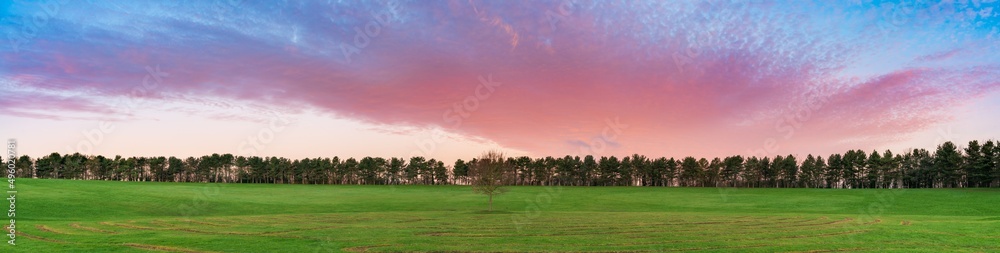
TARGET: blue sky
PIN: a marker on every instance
(449, 79)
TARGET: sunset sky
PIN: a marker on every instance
(451, 79)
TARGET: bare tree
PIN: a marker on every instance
(489, 174)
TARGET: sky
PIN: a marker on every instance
(452, 79)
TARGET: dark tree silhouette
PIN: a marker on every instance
(490, 175)
(975, 165)
(948, 163)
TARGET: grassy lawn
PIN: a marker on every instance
(84, 216)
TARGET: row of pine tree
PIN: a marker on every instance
(977, 165)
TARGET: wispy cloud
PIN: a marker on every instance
(689, 77)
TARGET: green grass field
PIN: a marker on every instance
(98, 216)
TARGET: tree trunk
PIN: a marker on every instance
(491, 203)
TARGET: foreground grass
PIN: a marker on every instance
(85, 216)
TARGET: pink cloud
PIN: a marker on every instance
(697, 85)
(34, 105)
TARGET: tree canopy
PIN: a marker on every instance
(490, 174)
(975, 165)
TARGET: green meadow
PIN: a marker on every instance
(106, 216)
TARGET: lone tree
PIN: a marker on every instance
(489, 174)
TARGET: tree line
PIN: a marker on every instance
(977, 165)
